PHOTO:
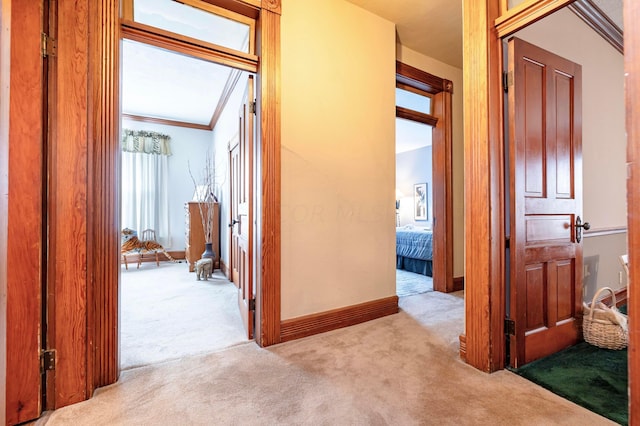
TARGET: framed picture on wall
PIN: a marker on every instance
(420, 201)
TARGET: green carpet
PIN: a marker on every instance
(589, 376)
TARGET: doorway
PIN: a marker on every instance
(604, 163)
(175, 134)
(189, 96)
(414, 204)
(423, 111)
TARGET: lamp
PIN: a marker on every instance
(399, 195)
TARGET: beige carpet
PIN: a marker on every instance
(167, 314)
(398, 370)
(409, 283)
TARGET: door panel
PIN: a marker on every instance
(244, 226)
(546, 198)
(234, 167)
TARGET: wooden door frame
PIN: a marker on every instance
(482, 346)
(104, 228)
(632, 95)
(442, 170)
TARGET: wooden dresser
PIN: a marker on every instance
(194, 241)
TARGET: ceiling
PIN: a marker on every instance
(430, 27)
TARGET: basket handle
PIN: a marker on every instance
(595, 297)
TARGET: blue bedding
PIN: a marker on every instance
(414, 243)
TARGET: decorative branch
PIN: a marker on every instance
(205, 194)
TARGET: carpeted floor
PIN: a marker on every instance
(408, 283)
(167, 314)
(592, 377)
(403, 369)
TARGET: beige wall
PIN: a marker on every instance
(338, 156)
(442, 70)
(603, 138)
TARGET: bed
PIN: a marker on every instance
(414, 250)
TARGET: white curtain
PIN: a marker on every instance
(145, 196)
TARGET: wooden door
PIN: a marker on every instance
(244, 213)
(545, 202)
(234, 167)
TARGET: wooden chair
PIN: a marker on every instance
(148, 235)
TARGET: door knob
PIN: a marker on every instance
(233, 222)
(579, 227)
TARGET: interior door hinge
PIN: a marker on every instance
(252, 107)
(507, 80)
(509, 327)
(49, 46)
(252, 304)
(47, 360)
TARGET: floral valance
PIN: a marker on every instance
(145, 142)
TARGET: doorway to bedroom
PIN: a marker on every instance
(414, 199)
(179, 117)
(424, 201)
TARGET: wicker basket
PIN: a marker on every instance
(604, 333)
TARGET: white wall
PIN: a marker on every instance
(413, 167)
(338, 156)
(224, 132)
(442, 70)
(603, 135)
(188, 146)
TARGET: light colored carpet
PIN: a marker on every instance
(167, 314)
(408, 283)
(402, 369)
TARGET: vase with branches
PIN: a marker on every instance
(205, 194)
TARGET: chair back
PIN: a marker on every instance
(148, 235)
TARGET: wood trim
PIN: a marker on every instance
(21, 233)
(273, 6)
(151, 257)
(5, 81)
(632, 100)
(419, 79)
(412, 115)
(484, 186)
(189, 46)
(519, 17)
(69, 234)
(599, 232)
(267, 280)
(167, 122)
(463, 347)
(249, 8)
(309, 325)
(442, 163)
(599, 22)
(103, 366)
(458, 283)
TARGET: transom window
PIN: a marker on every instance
(194, 19)
(413, 99)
